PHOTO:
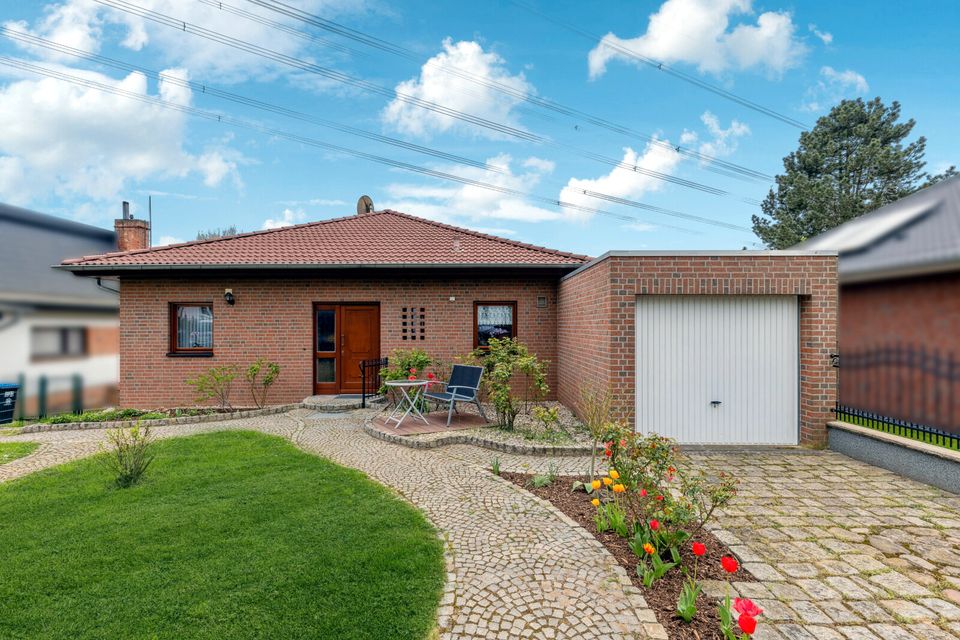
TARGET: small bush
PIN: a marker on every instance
(215, 384)
(106, 415)
(130, 455)
(260, 385)
(503, 361)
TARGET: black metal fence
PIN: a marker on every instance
(902, 428)
(370, 381)
(902, 388)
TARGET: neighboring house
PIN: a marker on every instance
(900, 307)
(718, 347)
(54, 327)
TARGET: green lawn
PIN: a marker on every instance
(231, 535)
(13, 450)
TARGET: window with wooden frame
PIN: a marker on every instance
(191, 328)
(493, 320)
(51, 343)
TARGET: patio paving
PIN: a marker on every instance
(842, 549)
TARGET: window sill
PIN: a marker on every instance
(189, 354)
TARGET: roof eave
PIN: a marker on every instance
(898, 272)
(118, 269)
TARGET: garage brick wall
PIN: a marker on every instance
(273, 318)
(597, 320)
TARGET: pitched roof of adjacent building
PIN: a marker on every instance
(381, 238)
(916, 235)
(31, 243)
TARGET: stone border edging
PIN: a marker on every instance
(919, 461)
(41, 427)
(485, 443)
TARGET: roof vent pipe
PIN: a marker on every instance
(126, 211)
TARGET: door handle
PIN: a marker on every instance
(715, 403)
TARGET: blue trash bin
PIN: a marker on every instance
(8, 401)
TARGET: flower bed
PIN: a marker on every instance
(662, 596)
(650, 510)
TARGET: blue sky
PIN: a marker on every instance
(77, 151)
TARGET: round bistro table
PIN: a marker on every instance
(410, 393)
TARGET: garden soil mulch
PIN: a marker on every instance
(662, 596)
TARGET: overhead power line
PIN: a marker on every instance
(383, 45)
(206, 89)
(294, 137)
(660, 66)
(712, 163)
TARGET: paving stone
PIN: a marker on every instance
(899, 584)
(930, 632)
(817, 589)
(857, 633)
(942, 608)
(951, 594)
(909, 610)
(838, 612)
(887, 546)
(763, 571)
(798, 569)
(847, 588)
(795, 632)
(891, 632)
(808, 613)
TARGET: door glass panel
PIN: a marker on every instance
(326, 330)
(326, 370)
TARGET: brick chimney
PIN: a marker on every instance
(131, 234)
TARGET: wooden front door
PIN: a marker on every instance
(344, 335)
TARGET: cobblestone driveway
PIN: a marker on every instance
(842, 549)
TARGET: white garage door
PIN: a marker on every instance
(718, 369)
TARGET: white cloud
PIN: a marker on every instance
(81, 24)
(437, 86)
(622, 182)
(80, 142)
(165, 240)
(287, 217)
(834, 86)
(698, 32)
(450, 203)
(722, 142)
(825, 36)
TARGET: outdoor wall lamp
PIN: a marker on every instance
(228, 296)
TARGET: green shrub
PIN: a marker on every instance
(508, 363)
(215, 384)
(130, 455)
(105, 415)
(403, 364)
(260, 385)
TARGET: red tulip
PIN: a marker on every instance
(412, 377)
(730, 564)
(746, 607)
(748, 624)
(699, 549)
(608, 453)
(654, 525)
(659, 497)
(430, 376)
(643, 493)
(623, 442)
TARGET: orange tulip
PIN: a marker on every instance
(595, 484)
(595, 502)
(614, 474)
(619, 488)
(607, 482)
(649, 548)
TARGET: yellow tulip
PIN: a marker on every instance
(614, 474)
(595, 484)
(619, 488)
(595, 502)
(607, 482)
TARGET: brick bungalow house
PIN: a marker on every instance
(712, 347)
(900, 306)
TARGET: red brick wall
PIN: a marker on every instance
(273, 319)
(916, 314)
(131, 234)
(612, 342)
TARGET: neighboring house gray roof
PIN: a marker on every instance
(31, 243)
(916, 235)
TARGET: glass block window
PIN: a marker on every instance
(413, 323)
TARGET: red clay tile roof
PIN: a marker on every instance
(379, 238)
